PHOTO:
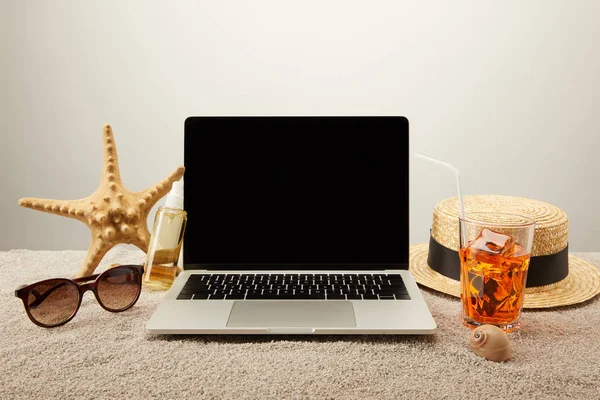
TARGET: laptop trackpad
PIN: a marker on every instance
(294, 313)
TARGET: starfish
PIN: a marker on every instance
(113, 214)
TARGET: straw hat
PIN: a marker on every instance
(555, 278)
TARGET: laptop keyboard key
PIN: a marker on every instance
(392, 290)
(394, 276)
(263, 286)
(217, 287)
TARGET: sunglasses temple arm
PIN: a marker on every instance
(17, 294)
(40, 298)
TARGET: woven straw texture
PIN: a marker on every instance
(552, 224)
(582, 283)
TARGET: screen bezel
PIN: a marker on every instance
(192, 126)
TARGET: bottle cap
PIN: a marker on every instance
(175, 196)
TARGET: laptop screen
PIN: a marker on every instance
(301, 191)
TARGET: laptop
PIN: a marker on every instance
(296, 225)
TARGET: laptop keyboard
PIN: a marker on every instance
(294, 287)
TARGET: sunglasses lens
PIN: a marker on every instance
(53, 302)
(119, 288)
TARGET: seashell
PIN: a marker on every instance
(490, 342)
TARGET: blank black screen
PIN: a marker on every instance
(276, 191)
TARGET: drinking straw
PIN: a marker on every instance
(456, 173)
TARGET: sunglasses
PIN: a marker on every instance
(54, 302)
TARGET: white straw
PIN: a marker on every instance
(455, 171)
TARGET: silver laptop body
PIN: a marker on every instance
(296, 225)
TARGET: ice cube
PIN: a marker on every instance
(493, 242)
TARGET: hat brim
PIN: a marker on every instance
(582, 283)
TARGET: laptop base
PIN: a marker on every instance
(298, 317)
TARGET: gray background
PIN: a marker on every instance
(508, 92)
